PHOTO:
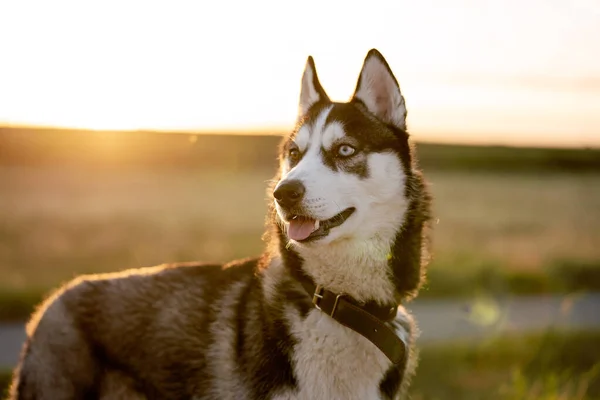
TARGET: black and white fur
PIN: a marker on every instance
(248, 330)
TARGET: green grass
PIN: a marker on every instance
(559, 276)
(501, 232)
(547, 366)
(5, 378)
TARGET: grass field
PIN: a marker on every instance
(539, 367)
(520, 232)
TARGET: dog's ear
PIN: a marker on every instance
(311, 91)
(378, 90)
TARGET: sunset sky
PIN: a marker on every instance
(505, 71)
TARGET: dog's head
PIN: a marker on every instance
(344, 169)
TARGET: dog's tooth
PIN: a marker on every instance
(316, 224)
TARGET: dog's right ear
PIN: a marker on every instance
(311, 91)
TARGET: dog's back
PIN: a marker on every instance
(100, 336)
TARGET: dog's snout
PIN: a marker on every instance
(290, 193)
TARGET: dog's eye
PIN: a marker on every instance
(293, 155)
(346, 150)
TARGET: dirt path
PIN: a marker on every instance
(444, 320)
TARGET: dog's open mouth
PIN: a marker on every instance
(304, 229)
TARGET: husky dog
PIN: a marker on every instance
(318, 316)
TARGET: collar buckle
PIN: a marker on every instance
(318, 296)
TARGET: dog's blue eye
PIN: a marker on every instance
(346, 150)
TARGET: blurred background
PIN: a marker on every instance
(135, 133)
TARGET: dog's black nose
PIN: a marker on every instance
(290, 193)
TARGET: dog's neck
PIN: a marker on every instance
(357, 268)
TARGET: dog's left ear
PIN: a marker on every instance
(378, 90)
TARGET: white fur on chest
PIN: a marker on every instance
(331, 361)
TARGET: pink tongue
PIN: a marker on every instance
(301, 228)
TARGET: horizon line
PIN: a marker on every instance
(280, 131)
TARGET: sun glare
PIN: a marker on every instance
(505, 71)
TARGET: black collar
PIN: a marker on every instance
(366, 319)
